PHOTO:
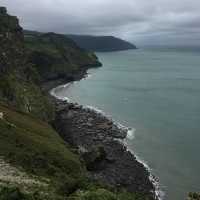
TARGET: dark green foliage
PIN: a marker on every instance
(28, 143)
(26, 96)
(193, 196)
(104, 194)
(15, 193)
(56, 56)
(12, 193)
(101, 43)
(19, 78)
(31, 143)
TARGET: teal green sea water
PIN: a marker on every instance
(157, 92)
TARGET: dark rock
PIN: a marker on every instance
(107, 159)
(94, 157)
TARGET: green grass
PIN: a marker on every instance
(55, 53)
(31, 144)
(28, 142)
(26, 96)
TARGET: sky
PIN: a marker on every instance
(143, 22)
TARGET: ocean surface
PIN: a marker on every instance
(156, 91)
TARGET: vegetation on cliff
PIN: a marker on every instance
(57, 57)
(18, 77)
(37, 164)
(102, 43)
(25, 63)
(45, 167)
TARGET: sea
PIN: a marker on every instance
(155, 91)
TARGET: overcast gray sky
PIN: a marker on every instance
(139, 21)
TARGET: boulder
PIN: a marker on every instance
(104, 126)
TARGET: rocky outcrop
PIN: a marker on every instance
(98, 141)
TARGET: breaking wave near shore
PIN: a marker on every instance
(130, 134)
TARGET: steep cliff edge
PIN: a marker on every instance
(18, 77)
(57, 57)
(37, 163)
(27, 63)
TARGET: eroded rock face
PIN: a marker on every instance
(193, 196)
(11, 37)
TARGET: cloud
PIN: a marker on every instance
(142, 21)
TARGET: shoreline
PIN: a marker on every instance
(127, 135)
(65, 109)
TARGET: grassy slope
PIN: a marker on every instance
(32, 145)
(27, 144)
(18, 77)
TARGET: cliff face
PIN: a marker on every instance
(58, 57)
(11, 40)
(18, 77)
(102, 43)
(28, 62)
(37, 164)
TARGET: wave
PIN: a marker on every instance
(160, 194)
(87, 76)
(54, 91)
(130, 136)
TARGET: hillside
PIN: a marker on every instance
(36, 163)
(18, 77)
(101, 43)
(39, 165)
(56, 56)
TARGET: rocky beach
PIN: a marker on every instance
(99, 141)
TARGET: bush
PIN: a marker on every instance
(12, 193)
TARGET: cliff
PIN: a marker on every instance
(36, 163)
(102, 43)
(58, 57)
(18, 77)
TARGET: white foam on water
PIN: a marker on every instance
(158, 191)
(130, 136)
(131, 133)
(87, 76)
(53, 92)
(97, 110)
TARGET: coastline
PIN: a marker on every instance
(124, 171)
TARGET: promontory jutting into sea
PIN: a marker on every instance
(99, 100)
